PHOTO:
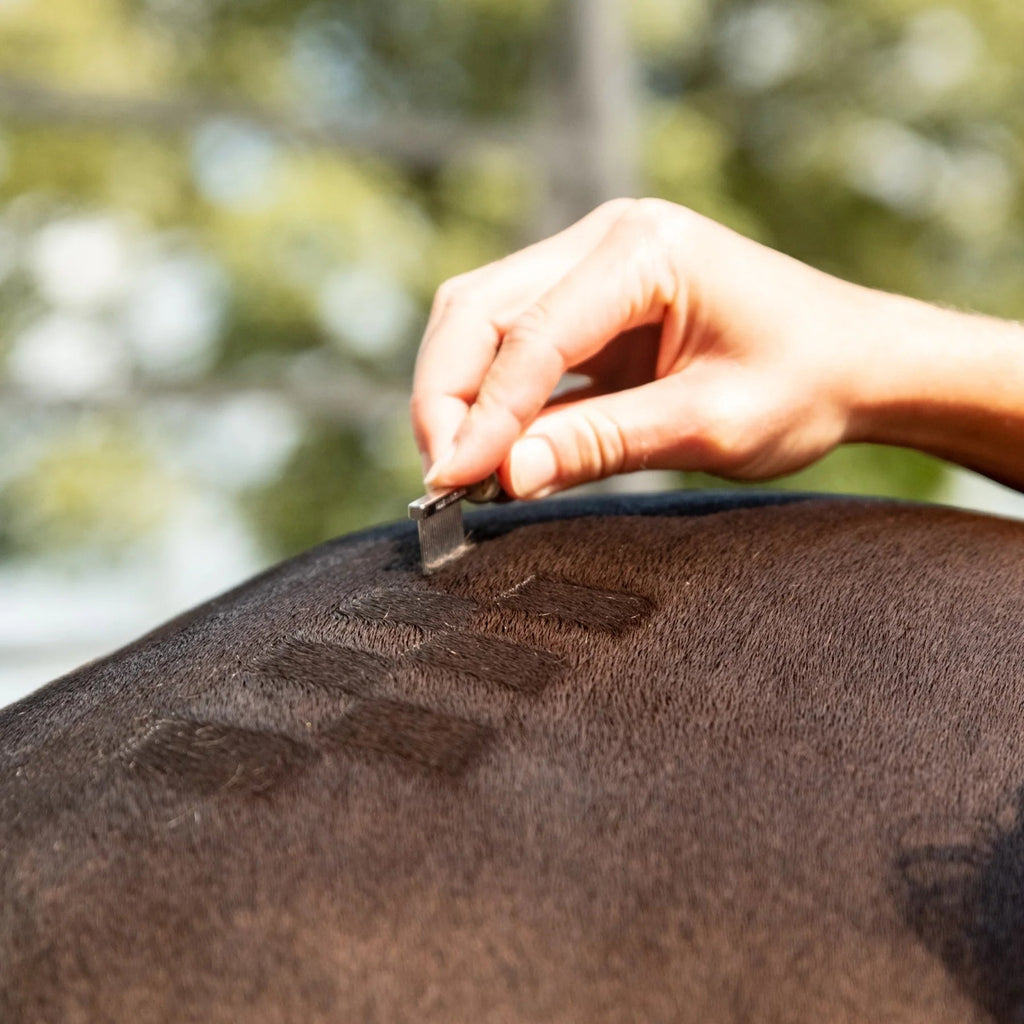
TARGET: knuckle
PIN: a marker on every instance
(599, 447)
(528, 327)
(651, 209)
(642, 225)
(529, 337)
(531, 345)
(660, 209)
(612, 209)
(450, 293)
(650, 214)
(649, 238)
(727, 429)
(662, 223)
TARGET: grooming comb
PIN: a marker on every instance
(439, 520)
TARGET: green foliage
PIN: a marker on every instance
(853, 469)
(92, 485)
(334, 484)
(878, 139)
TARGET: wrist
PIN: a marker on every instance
(899, 362)
(941, 381)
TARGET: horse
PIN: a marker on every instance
(730, 757)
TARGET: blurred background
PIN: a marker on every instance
(222, 222)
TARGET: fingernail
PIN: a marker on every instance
(437, 470)
(532, 467)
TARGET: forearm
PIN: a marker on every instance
(947, 383)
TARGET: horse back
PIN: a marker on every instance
(759, 764)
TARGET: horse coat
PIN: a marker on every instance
(727, 758)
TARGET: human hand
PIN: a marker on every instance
(706, 351)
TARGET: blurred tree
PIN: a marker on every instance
(201, 199)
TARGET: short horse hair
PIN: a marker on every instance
(735, 758)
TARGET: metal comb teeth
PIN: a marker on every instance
(439, 521)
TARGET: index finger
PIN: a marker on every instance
(624, 283)
(470, 317)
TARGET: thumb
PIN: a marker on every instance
(645, 427)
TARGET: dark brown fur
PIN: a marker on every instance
(760, 764)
